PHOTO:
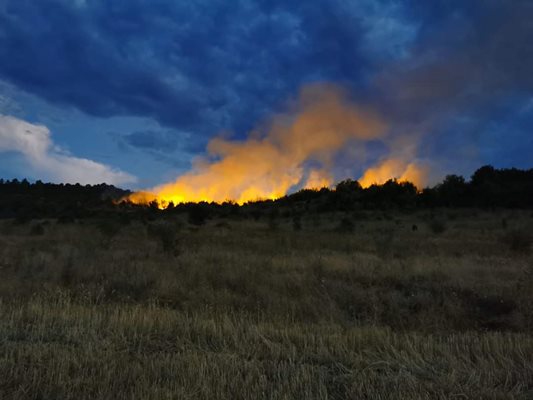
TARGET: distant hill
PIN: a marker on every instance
(487, 188)
(22, 199)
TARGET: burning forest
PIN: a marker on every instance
(296, 150)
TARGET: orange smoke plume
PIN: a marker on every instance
(395, 169)
(318, 179)
(268, 164)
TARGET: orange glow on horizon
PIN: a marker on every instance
(268, 164)
(395, 169)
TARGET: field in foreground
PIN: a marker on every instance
(370, 305)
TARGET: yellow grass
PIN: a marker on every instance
(242, 310)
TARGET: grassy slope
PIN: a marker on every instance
(236, 309)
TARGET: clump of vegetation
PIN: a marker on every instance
(67, 272)
(66, 219)
(384, 241)
(37, 230)
(109, 227)
(197, 214)
(296, 223)
(273, 223)
(345, 225)
(166, 234)
(504, 223)
(437, 226)
(22, 219)
(256, 214)
(518, 240)
(223, 225)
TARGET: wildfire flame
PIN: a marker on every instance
(394, 168)
(296, 151)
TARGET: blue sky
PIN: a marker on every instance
(131, 91)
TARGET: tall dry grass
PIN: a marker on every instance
(237, 310)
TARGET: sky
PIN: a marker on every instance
(132, 92)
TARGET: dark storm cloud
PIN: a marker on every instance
(151, 140)
(469, 70)
(164, 146)
(475, 60)
(210, 66)
(206, 66)
(56, 50)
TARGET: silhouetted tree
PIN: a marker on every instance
(452, 191)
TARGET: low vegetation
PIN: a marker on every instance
(347, 304)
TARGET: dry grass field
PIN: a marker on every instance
(373, 305)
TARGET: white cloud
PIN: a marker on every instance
(50, 161)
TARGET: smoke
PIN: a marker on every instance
(296, 150)
(463, 78)
(395, 168)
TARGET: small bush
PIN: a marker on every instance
(346, 225)
(37, 230)
(359, 215)
(197, 215)
(109, 227)
(256, 214)
(21, 219)
(518, 241)
(165, 234)
(66, 219)
(6, 228)
(387, 216)
(384, 243)
(437, 226)
(136, 286)
(273, 223)
(504, 223)
(297, 223)
(67, 272)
